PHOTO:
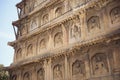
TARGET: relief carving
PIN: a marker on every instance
(75, 29)
(19, 54)
(115, 15)
(58, 39)
(58, 12)
(100, 64)
(58, 72)
(43, 44)
(26, 76)
(30, 50)
(40, 74)
(33, 24)
(78, 69)
(93, 23)
(45, 18)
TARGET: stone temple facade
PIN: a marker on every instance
(66, 40)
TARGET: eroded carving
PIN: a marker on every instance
(58, 39)
(43, 44)
(93, 23)
(40, 74)
(33, 24)
(26, 76)
(115, 15)
(78, 69)
(45, 18)
(29, 49)
(58, 12)
(100, 64)
(19, 54)
(58, 72)
(75, 29)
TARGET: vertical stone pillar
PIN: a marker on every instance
(49, 70)
(66, 68)
(65, 36)
(45, 68)
(116, 57)
(83, 24)
(87, 67)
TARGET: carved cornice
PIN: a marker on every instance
(69, 50)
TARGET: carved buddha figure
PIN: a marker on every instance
(40, 74)
(75, 30)
(115, 15)
(58, 73)
(45, 18)
(58, 39)
(78, 69)
(58, 12)
(100, 65)
(93, 23)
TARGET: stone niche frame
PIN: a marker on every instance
(44, 36)
(103, 61)
(58, 64)
(55, 32)
(109, 8)
(94, 15)
(75, 30)
(40, 67)
(77, 60)
(29, 70)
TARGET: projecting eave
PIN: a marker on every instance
(16, 23)
(12, 44)
(20, 4)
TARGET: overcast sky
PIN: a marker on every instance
(8, 13)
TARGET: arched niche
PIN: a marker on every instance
(45, 18)
(99, 64)
(26, 76)
(58, 11)
(57, 72)
(14, 77)
(29, 50)
(93, 23)
(41, 74)
(33, 24)
(43, 44)
(19, 54)
(115, 15)
(58, 39)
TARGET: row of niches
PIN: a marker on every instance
(94, 19)
(68, 33)
(32, 4)
(97, 65)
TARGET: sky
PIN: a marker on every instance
(8, 13)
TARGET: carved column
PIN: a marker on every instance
(65, 36)
(66, 68)
(83, 24)
(116, 57)
(46, 70)
(49, 70)
(87, 66)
